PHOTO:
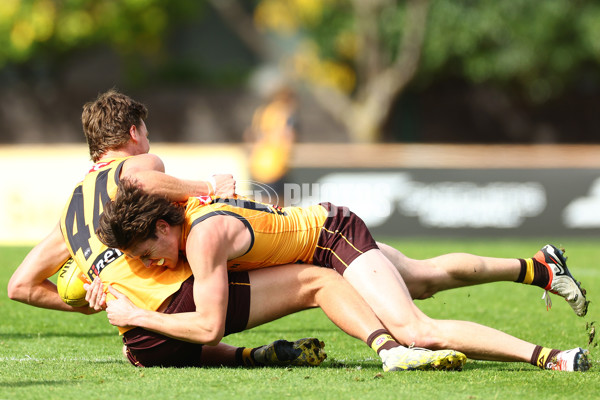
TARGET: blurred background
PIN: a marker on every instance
(484, 111)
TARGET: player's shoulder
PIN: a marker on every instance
(144, 162)
(204, 208)
(213, 230)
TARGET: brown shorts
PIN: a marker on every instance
(344, 237)
(150, 349)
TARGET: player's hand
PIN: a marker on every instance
(121, 310)
(95, 295)
(225, 185)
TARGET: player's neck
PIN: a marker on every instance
(125, 151)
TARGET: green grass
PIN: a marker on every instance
(52, 355)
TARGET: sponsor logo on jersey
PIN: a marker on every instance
(102, 261)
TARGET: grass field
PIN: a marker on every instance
(52, 355)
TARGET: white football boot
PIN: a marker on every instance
(562, 282)
(415, 358)
(570, 360)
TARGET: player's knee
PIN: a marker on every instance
(315, 281)
(427, 280)
(423, 292)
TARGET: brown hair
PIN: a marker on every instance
(106, 121)
(131, 217)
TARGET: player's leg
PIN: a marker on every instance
(547, 270)
(282, 290)
(146, 348)
(381, 285)
(174, 353)
(424, 278)
(223, 355)
(306, 352)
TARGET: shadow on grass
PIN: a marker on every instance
(300, 331)
(470, 366)
(475, 365)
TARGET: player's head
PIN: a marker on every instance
(142, 225)
(108, 119)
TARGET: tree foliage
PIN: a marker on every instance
(358, 56)
(355, 56)
(538, 47)
(28, 27)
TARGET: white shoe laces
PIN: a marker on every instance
(546, 296)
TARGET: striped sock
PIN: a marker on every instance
(534, 273)
(381, 340)
(245, 357)
(542, 355)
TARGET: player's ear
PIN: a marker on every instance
(133, 133)
(162, 226)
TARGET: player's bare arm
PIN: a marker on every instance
(30, 284)
(209, 245)
(202, 326)
(148, 171)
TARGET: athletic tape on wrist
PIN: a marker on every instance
(213, 183)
